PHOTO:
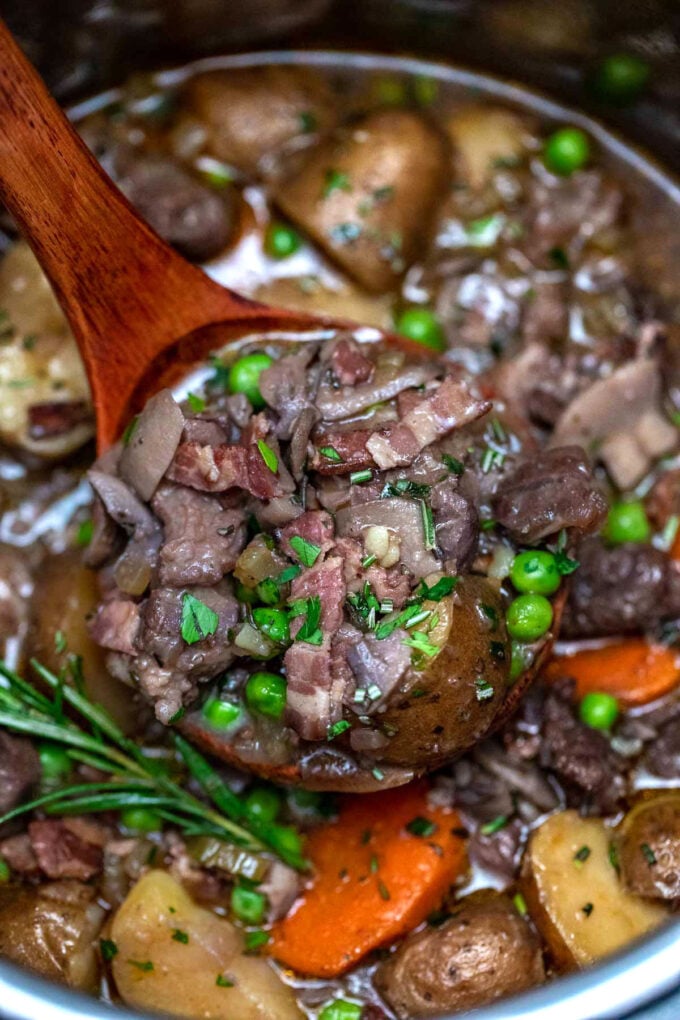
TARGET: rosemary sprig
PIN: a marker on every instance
(135, 778)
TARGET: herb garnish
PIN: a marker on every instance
(456, 467)
(383, 890)
(85, 532)
(337, 728)
(198, 620)
(581, 856)
(310, 631)
(495, 825)
(520, 904)
(648, 853)
(108, 949)
(336, 180)
(134, 778)
(330, 453)
(308, 121)
(268, 456)
(428, 525)
(224, 982)
(587, 909)
(253, 940)
(130, 430)
(180, 936)
(405, 487)
(420, 643)
(420, 826)
(357, 477)
(307, 552)
(196, 403)
(439, 590)
(483, 689)
(144, 965)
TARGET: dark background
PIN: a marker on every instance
(82, 46)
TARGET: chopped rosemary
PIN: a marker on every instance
(456, 467)
(134, 779)
(495, 825)
(483, 689)
(581, 856)
(369, 561)
(337, 728)
(420, 826)
(520, 904)
(428, 525)
(419, 642)
(357, 477)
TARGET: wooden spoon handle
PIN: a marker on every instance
(104, 263)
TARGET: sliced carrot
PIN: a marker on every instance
(373, 880)
(633, 670)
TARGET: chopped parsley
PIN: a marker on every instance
(581, 856)
(108, 949)
(85, 532)
(587, 909)
(614, 856)
(564, 564)
(310, 631)
(520, 904)
(483, 689)
(144, 965)
(198, 620)
(648, 853)
(253, 940)
(420, 643)
(484, 232)
(224, 982)
(288, 574)
(307, 552)
(383, 890)
(405, 487)
(337, 728)
(420, 826)
(456, 467)
(495, 825)
(387, 627)
(330, 453)
(308, 122)
(180, 936)
(268, 456)
(196, 403)
(559, 257)
(336, 180)
(439, 590)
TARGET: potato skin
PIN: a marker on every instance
(389, 170)
(449, 716)
(252, 114)
(484, 952)
(51, 929)
(654, 824)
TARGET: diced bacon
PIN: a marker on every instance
(325, 579)
(311, 703)
(316, 526)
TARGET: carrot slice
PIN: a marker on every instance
(633, 670)
(374, 880)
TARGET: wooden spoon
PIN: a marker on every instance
(141, 314)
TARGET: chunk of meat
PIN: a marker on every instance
(116, 625)
(621, 590)
(456, 523)
(19, 770)
(350, 366)
(350, 447)
(152, 444)
(314, 694)
(187, 214)
(288, 387)
(449, 407)
(621, 420)
(368, 195)
(484, 952)
(254, 116)
(219, 468)
(63, 854)
(202, 539)
(581, 757)
(315, 526)
(551, 491)
(326, 580)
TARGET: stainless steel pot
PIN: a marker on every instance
(641, 978)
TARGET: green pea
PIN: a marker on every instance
(599, 710)
(341, 1009)
(244, 377)
(141, 819)
(274, 624)
(566, 150)
(420, 325)
(620, 78)
(221, 713)
(535, 573)
(627, 522)
(266, 694)
(529, 617)
(263, 802)
(54, 761)
(5, 872)
(281, 241)
(285, 839)
(248, 905)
